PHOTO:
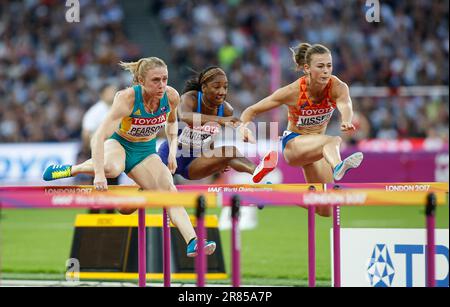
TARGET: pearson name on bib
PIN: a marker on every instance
(146, 127)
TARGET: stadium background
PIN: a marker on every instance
(51, 71)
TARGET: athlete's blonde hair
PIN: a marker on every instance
(141, 67)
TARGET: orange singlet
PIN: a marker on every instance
(308, 115)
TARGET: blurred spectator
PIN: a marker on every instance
(96, 114)
(51, 70)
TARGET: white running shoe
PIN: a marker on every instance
(350, 162)
(267, 164)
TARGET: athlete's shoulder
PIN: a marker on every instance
(125, 95)
(295, 85)
(339, 87)
(188, 101)
(123, 103)
(173, 95)
(191, 95)
(124, 98)
(336, 81)
(288, 94)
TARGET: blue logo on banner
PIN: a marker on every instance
(381, 270)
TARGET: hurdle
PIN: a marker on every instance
(252, 188)
(348, 198)
(116, 198)
(234, 196)
(388, 187)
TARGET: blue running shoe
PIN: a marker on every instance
(210, 247)
(54, 172)
(350, 162)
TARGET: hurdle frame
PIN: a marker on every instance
(431, 203)
(166, 249)
(311, 243)
(430, 226)
(142, 249)
(430, 222)
(235, 243)
(336, 242)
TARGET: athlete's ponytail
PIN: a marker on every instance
(192, 85)
(303, 52)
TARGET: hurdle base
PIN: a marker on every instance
(106, 247)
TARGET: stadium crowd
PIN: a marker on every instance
(50, 70)
(406, 48)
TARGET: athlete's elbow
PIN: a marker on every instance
(97, 137)
(248, 114)
(185, 117)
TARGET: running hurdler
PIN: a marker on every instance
(203, 108)
(311, 101)
(126, 142)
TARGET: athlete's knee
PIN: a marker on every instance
(231, 152)
(294, 159)
(127, 211)
(335, 139)
(112, 170)
(324, 211)
(165, 182)
(168, 186)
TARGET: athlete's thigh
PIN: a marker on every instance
(318, 172)
(305, 149)
(114, 154)
(152, 174)
(205, 166)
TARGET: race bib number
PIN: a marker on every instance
(139, 129)
(197, 137)
(314, 117)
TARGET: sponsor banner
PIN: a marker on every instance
(376, 167)
(390, 257)
(107, 200)
(219, 188)
(24, 163)
(398, 186)
(403, 145)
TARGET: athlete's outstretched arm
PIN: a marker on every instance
(122, 107)
(278, 98)
(344, 105)
(186, 114)
(172, 128)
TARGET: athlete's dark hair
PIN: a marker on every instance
(196, 82)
